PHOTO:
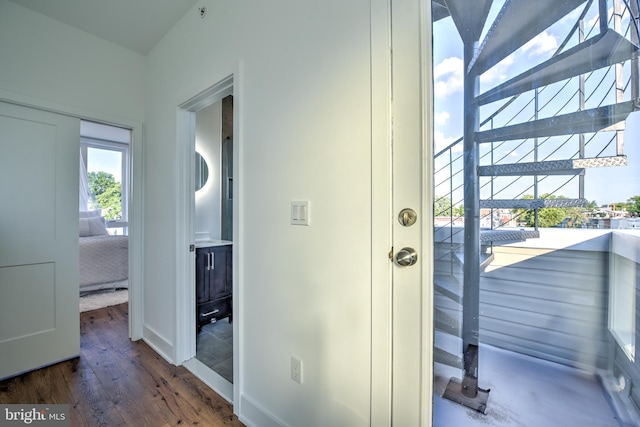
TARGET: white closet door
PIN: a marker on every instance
(39, 320)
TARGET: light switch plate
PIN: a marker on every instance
(300, 212)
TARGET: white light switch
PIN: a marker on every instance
(300, 212)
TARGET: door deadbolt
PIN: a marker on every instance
(407, 217)
(406, 257)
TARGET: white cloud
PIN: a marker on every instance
(541, 44)
(499, 72)
(448, 76)
(449, 65)
(445, 88)
(442, 118)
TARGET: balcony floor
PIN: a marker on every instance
(525, 391)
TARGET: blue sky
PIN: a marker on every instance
(604, 185)
(105, 161)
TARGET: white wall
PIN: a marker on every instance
(304, 130)
(59, 65)
(209, 145)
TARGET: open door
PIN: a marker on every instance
(39, 322)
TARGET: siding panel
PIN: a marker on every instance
(546, 303)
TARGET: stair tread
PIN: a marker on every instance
(531, 203)
(448, 286)
(518, 22)
(469, 20)
(600, 51)
(445, 323)
(438, 10)
(585, 121)
(485, 259)
(446, 358)
(508, 234)
(444, 303)
(551, 167)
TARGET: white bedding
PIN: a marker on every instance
(104, 262)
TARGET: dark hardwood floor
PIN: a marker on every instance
(117, 382)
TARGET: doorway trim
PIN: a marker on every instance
(381, 212)
(136, 209)
(185, 338)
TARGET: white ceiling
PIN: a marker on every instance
(135, 24)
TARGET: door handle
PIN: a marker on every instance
(211, 261)
(209, 313)
(406, 257)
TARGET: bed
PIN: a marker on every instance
(104, 259)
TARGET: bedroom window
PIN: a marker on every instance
(104, 153)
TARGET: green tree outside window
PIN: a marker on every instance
(106, 194)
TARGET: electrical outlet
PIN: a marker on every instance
(296, 369)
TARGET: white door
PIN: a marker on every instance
(411, 189)
(39, 321)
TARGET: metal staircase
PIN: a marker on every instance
(560, 143)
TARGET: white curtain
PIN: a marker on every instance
(84, 185)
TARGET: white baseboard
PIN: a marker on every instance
(160, 345)
(253, 415)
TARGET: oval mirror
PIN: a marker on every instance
(202, 172)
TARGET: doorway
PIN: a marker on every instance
(214, 236)
(105, 159)
(208, 238)
(63, 187)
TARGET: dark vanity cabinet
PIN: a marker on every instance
(213, 284)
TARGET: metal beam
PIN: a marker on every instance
(469, 20)
(532, 203)
(505, 235)
(600, 51)
(518, 22)
(586, 121)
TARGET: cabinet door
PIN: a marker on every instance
(202, 276)
(220, 279)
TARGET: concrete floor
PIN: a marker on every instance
(525, 391)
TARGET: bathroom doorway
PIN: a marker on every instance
(207, 287)
(214, 236)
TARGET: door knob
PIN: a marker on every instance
(406, 257)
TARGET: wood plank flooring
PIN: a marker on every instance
(117, 382)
